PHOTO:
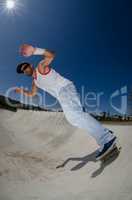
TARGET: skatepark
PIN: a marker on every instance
(43, 157)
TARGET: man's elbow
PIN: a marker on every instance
(52, 54)
(49, 54)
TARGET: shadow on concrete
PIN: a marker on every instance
(83, 161)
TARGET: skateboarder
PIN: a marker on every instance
(46, 78)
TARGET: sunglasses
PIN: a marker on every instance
(25, 67)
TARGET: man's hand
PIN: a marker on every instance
(31, 93)
(26, 50)
(19, 90)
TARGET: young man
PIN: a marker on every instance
(48, 79)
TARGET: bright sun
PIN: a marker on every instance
(10, 4)
(11, 7)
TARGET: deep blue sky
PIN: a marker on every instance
(92, 40)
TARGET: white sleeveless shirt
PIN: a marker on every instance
(51, 82)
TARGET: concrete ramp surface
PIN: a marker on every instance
(43, 157)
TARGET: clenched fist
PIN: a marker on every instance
(26, 50)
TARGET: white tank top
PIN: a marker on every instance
(51, 82)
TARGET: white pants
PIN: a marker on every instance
(72, 108)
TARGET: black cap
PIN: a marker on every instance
(19, 67)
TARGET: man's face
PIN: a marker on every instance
(28, 71)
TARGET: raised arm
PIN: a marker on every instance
(31, 93)
(48, 57)
(28, 50)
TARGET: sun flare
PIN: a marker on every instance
(10, 4)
